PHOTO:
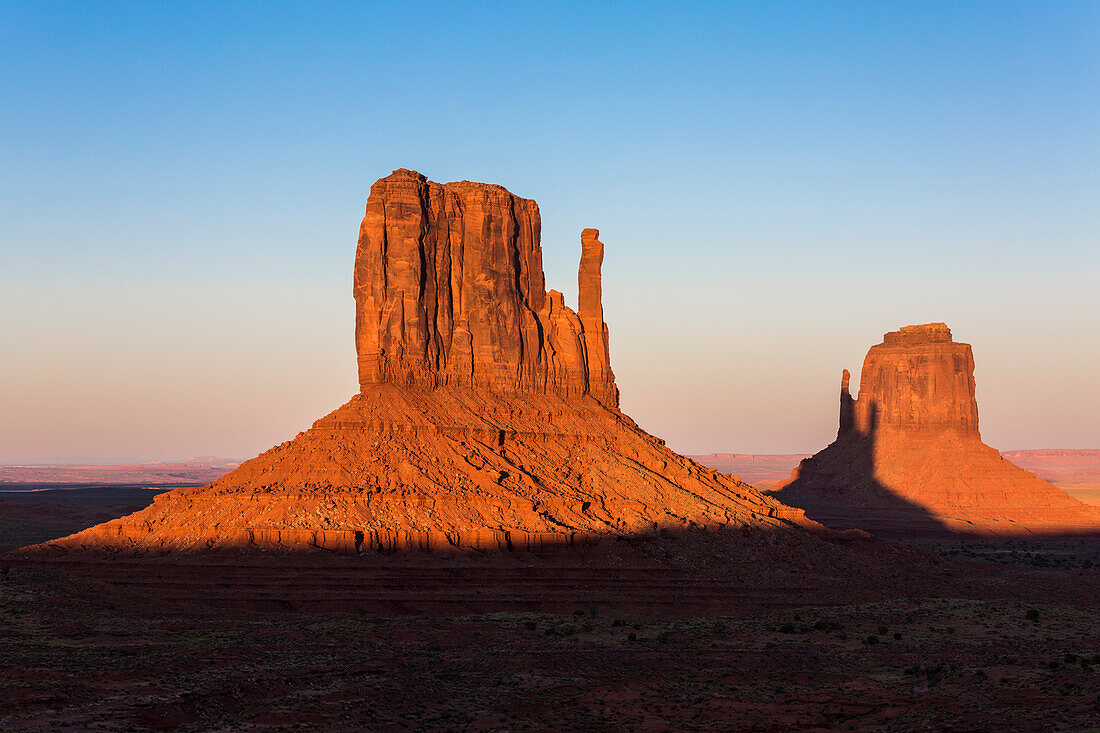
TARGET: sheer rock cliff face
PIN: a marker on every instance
(487, 416)
(909, 460)
(449, 291)
(917, 379)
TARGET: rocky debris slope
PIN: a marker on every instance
(487, 415)
(909, 460)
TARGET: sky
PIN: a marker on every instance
(777, 185)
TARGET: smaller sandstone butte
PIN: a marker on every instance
(908, 459)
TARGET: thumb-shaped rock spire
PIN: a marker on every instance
(847, 405)
(601, 381)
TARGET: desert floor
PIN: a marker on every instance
(1007, 637)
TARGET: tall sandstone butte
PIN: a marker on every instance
(908, 459)
(487, 416)
(449, 292)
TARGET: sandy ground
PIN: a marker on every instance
(902, 664)
(1087, 491)
(992, 636)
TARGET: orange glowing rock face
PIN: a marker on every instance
(449, 291)
(909, 459)
(487, 416)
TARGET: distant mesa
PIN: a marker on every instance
(487, 416)
(195, 471)
(909, 461)
(760, 470)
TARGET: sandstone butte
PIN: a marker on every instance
(908, 459)
(487, 416)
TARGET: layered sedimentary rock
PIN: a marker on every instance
(918, 380)
(909, 459)
(449, 291)
(486, 419)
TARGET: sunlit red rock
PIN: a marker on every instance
(449, 291)
(909, 460)
(487, 416)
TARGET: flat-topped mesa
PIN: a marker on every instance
(917, 379)
(925, 333)
(449, 290)
(908, 460)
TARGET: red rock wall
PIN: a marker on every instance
(449, 291)
(917, 379)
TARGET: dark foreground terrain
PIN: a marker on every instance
(33, 512)
(962, 637)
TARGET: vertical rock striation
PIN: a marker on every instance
(918, 379)
(449, 291)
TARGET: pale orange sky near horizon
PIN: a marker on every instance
(201, 370)
(777, 185)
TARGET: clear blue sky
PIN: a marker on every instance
(777, 185)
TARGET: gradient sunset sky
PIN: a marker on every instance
(777, 185)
